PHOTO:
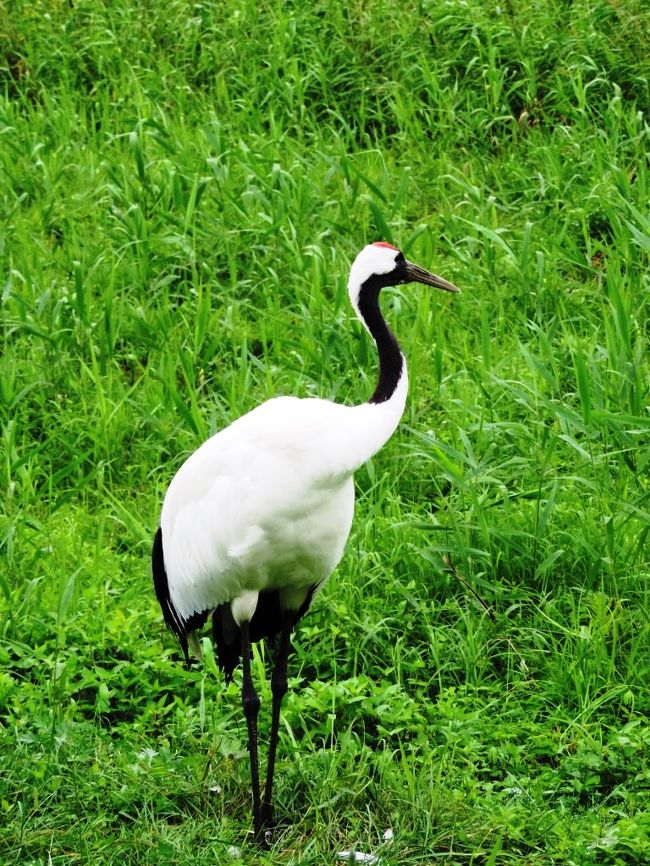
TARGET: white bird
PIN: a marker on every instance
(255, 521)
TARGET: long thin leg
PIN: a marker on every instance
(251, 704)
(279, 688)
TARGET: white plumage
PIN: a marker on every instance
(256, 520)
(267, 503)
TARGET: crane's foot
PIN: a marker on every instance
(265, 827)
(263, 836)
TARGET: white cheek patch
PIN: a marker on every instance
(373, 260)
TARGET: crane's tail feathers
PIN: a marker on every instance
(173, 620)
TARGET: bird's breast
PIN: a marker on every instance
(299, 547)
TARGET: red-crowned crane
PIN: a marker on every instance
(256, 520)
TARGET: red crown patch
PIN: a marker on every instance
(384, 244)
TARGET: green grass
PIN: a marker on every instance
(182, 189)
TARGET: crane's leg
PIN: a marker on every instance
(279, 688)
(251, 704)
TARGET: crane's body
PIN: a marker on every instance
(267, 503)
(256, 520)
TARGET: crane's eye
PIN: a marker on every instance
(399, 258)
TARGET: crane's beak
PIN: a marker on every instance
(416, 274)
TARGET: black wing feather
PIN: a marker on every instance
(173, 620)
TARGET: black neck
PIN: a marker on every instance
(391, 362)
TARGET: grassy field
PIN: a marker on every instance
(182, 190)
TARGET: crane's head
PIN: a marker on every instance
(381, 264)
